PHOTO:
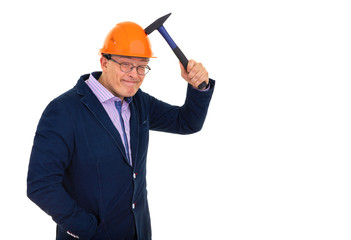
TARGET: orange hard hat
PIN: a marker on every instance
(127, 39)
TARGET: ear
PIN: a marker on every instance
(103, 63)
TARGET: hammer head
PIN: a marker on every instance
(155, 25)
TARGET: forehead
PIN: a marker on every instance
(131, 59)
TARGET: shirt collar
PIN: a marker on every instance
(101, 92)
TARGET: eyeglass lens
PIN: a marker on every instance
(128, 67)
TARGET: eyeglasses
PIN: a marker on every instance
(128, 67)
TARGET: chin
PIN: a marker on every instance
(130, 93)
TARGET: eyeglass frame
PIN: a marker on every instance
(109, 57)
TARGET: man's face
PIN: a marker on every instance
(119, 83)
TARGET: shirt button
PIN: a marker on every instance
(134, 175)
(133, 205)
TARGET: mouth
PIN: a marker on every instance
(130, 83)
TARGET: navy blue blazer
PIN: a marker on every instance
(79, 173)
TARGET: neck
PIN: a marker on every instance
(103, 82)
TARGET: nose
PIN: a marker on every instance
(133, 73)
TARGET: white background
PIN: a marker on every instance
(273, 158)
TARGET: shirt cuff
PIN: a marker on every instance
(206, 89)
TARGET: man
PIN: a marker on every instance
(88, 163)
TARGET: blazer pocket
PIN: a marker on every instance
(144, 135)
(146, 121)
(144, 126)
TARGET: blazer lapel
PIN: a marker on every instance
(98, 111)
(134, 132)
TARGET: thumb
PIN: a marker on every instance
(191, 64)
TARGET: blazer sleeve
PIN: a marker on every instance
(51, 153)
(186, 119)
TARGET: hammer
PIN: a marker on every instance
(158, 24)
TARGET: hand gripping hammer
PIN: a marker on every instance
(158, 24)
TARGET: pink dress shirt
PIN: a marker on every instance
(108, 100)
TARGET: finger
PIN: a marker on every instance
(194, 71)
(197, 71)
(199, 78)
